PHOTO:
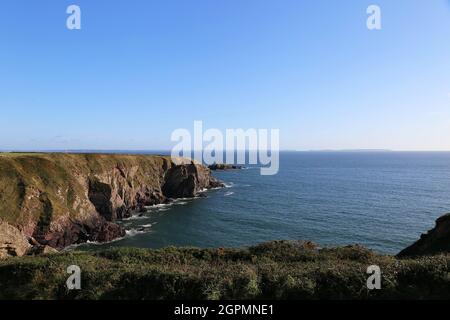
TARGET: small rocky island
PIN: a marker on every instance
(224, 166)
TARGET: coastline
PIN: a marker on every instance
(57, 200)
(270, 270)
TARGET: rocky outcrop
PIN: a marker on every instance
(185, 181)
(13, 242)
(437, 240)
(64, 199)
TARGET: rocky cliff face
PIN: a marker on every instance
(437, 240)
(63, 199)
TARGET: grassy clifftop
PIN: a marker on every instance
(276, 270)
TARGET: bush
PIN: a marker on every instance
(275, 270)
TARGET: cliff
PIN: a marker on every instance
(63, 199)
(435, 241)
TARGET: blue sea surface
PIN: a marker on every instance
(382, 200)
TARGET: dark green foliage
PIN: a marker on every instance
(275, 270)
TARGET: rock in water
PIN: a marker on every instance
(13, 242)
(437, 240)
(224, 166)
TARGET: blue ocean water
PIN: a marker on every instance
(382, 200)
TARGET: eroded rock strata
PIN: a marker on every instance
(58, 200)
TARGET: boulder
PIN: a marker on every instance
(42, 250)
(13, 243)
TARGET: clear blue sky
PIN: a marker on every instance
(140, 69)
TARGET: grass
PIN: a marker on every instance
(275, 270)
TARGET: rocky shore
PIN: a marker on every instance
(56, 200)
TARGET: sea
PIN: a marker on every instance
(379, 199)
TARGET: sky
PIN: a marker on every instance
(139, 69)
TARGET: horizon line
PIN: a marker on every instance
(168, 150)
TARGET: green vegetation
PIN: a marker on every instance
(275, 270)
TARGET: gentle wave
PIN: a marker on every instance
(95, 243)
(229, 185)
(135, 217)
(133, 232)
